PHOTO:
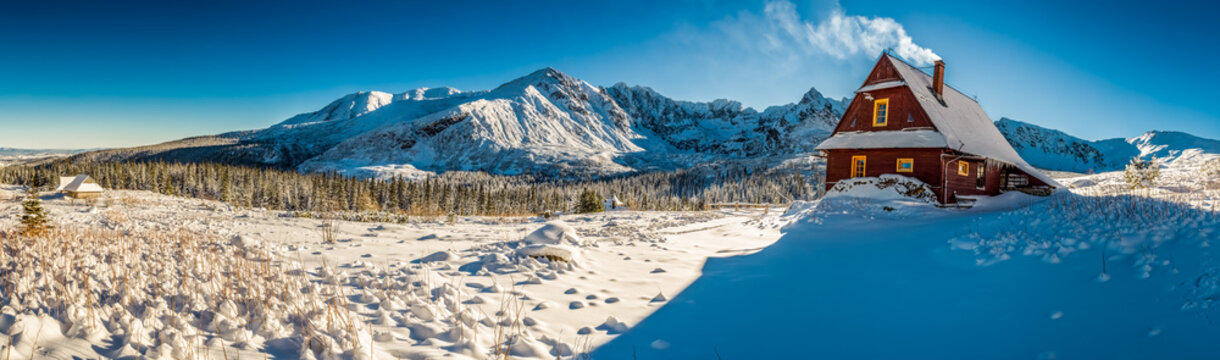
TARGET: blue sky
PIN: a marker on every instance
(99, 74)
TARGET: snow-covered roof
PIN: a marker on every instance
(885, 139)
(78, 183)
(965, 126)
(882, 85)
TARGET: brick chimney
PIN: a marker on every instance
(938, 78)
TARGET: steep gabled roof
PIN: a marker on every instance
(962, 121)
(80, 183)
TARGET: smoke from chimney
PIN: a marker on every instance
(938, 78)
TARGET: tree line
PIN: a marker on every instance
(451, 193)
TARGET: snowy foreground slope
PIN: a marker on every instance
(1094, 271)
(1054, 150)
(1096, 274)
(159, 277)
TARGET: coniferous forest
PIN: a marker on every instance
(451, 193)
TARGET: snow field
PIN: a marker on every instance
(1095, 271)
(162, 277)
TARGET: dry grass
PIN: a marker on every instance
(128, 200)
(83, 276)
(329, 232)
(508, 325)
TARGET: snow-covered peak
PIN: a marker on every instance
(1054, 150)
(1173, 146)
(346, 107)
(812, 96)
(428, 93)
(543, 79)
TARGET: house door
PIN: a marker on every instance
(980, 179)
(857, 165)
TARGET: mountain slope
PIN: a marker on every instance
(726, 127)
(1176, 147)
(1054, 150)
(545, 123)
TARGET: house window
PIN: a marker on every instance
(980, 181)
(963, 168)
(857, 165)
(906, 165)
(881, 109)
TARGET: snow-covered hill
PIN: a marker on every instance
(550, 123)
(1054, 150)
(7, 151)
(545, 123)
(14, 156)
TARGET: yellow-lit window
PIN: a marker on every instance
(906, 165)
(963, 168)
(881, 110)
(857, 165)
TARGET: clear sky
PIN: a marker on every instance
(105, 74)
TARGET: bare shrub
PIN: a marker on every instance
(328, 231)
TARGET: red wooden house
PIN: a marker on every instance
(904, 121)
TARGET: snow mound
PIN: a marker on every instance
(885, 196)
(613, 326)
(885, 187)
(554, 252)
(554, 233)
(439, 256)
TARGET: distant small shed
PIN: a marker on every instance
(613, 203)
(79, 187)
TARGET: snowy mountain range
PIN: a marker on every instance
(545, 123)
(15, 156)
(1054, 150)
(551, 124)
(7, 151)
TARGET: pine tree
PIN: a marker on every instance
(34, 222)
(590, 202)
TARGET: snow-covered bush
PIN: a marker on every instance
(1142, 174)
(1211, 173)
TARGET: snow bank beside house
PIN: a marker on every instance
(884, 187)
(1069, 276)
(886, 195)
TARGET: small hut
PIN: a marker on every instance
(613, 203)
(79, 187)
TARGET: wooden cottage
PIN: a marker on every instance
(79, 187)
(906, 122)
